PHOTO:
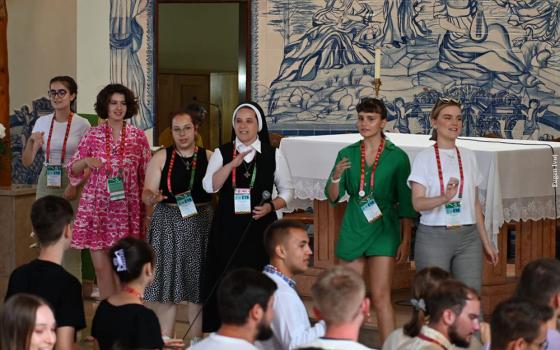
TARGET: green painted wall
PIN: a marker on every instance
(198, 37)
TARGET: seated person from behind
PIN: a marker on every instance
(51, 218)
(520, 325)
(245, 299)
(540, 283)
(339, 298)
(122, 320)
(454, 311)
(287, 245)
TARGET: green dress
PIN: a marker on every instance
(357, 236)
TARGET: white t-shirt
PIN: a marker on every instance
(336, 344)
(78, 129)
(425, 172)
(395, 340)
(216, 341)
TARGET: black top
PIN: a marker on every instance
(181, 177)
(129, 326)
(228, 227)
(58, 287)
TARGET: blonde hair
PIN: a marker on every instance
(338, 294)
(438, 107)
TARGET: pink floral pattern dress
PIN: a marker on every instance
(99, 222)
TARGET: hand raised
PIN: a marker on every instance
(37, 138)
(239, 158)
(340, 168)
(93, 163)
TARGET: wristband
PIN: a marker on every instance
(335, 181)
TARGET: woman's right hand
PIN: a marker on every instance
(37, 139)
(93, 163)
(340, 167)
(239, 158)
(156, 198)
(451, 189)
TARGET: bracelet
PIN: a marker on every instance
(335, 181)
(271, 206)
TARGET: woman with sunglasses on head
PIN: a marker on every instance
(444, 181)
(242, 171)
(116, 153)
(180, 223)
(58, 135)
(373, 171)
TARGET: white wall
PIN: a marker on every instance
(41, 45)
(92, 54)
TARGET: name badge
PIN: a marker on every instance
(452, 214)
(54, 176)
(370, 209)
(115, 186)
(186, 204)
(242, 200)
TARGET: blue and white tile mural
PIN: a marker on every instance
(21, 125)
(132, 62)
(314, 59)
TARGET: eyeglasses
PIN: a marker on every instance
(449, 100)
(60, 93)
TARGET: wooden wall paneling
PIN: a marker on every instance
(497, 274)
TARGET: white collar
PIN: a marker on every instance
(434, 334)
(241, 147)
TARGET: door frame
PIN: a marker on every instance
(244, 53)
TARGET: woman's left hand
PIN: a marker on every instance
(70, 192)
(491, 254)
(402, 252)
(260, 211)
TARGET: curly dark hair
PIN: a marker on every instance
(104, 97)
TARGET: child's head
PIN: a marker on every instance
(51, 216)
(130, 257)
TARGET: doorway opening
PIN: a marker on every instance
(200, 58)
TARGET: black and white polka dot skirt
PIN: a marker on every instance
(180, 247)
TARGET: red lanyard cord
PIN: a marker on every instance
(440, 171)
(363, 166)
(66, 135)
(172, 163)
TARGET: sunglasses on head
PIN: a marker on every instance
(61, 93)
(449, 100)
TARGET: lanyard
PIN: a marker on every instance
(133, 292)
(172, 163)
(363, 167)
(66, 135)
(234, 171)
(108, 148)
(431, 340)
(440, 171)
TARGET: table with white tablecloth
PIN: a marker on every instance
(518, 174)
(517, 188)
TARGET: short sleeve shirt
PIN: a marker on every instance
(57, 286)
(130, 326)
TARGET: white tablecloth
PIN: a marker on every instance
(518, 174)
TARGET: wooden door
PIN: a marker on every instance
(176, 91)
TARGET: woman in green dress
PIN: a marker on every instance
(373, 172)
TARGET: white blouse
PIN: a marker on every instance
(282, 175)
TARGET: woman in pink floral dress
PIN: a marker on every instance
(110, 208)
